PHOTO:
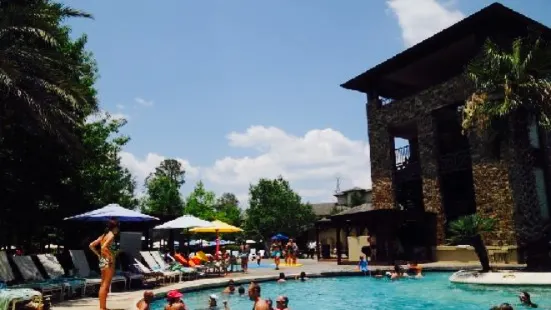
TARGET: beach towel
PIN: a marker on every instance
(9, 295)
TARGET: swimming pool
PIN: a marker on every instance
(434, 291)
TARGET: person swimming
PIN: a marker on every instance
(231, 287)
(414, 269)
(174, 301)
(397, 273)
(241, 290)
(526, 300)
(145, 302)
(282, 303)
(302, 277)
(281, 278)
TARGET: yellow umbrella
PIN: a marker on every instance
(217, 227)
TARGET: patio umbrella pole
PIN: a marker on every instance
(217, 244)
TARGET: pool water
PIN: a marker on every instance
(434, 291)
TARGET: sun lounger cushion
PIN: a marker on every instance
(6, 274)
(28, 269)
(181, 259)
(51, 265)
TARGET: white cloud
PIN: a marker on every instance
(102, 114)
(420, 19)
(144, 103)
(310, 162)
(141, 168)
(120, 106)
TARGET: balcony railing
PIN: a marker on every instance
(402, 155)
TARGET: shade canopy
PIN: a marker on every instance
(113, 211)
(217, 227)
(185, 222)
(280, 237)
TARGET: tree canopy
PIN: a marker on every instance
(163, 190)
(274, 207)
(54, 164)
(508, 79)
(228, 210)
(201, 203)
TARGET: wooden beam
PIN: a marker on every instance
(318, 245)
(338, 229)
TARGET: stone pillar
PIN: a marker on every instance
(432, 199)
(382, 156)
(493, 194)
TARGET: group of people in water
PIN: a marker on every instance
(289, 252)
(174, 299)
(413, 270)
(525, 301)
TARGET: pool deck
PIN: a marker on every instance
(124, 300)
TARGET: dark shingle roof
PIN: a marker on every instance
(358, 209)
(323, 209)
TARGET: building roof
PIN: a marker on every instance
(323, 209)
(353, 189)
(358, 209)
(443, 55)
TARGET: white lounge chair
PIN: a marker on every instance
(150, 261)
(186, 272)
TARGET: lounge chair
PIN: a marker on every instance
(33, 279)
(12, 298)
(153, 265)
(186, 272)
(148, 273)
(56, 273)
(83, 270)
(6, 274)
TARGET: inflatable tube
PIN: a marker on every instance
(505, 277)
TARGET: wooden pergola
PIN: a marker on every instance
(416, 228)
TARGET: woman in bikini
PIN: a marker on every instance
(106, 256)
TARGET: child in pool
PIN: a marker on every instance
(362, 265)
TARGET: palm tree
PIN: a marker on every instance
(469, 229)
(38, 80)
(512, 89)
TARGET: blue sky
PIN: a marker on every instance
(245, 89)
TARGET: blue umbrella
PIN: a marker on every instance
(112, 211)
(280, 237)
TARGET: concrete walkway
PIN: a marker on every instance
(124, 300)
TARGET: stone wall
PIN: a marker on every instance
(490, 177)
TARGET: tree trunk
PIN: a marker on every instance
(530, 227)
(481, 252)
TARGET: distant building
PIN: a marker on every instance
(346, 200)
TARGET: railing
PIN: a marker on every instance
(402, 155)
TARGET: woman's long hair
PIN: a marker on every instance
(111, 225)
